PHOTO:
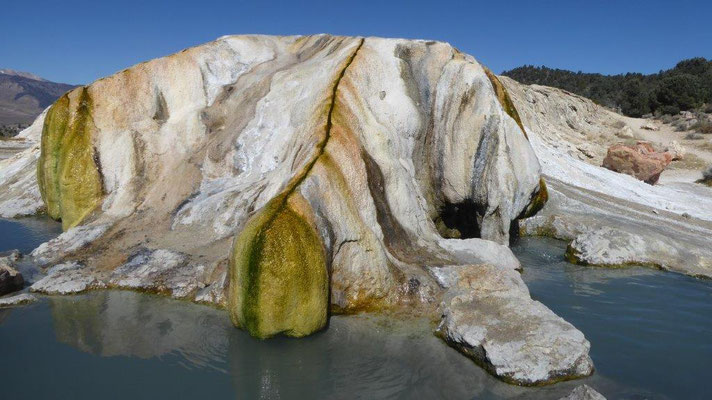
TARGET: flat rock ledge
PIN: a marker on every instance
(610, 247)
(18, 299)
(583, 392)
(67, 278)
(489, 316)
(149, 270)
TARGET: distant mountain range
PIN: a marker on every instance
(23, 96)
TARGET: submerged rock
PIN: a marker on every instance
(583, 392)
(610, 247)
(640, 161)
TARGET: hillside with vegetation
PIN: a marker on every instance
(687, 86)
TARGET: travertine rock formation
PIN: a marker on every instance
(298, 174)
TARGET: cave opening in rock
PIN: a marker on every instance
(458, 220)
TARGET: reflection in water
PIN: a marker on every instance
(113, 323)
(649, 333)
(358, 356)
(4, 313)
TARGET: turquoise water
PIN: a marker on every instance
(649, 330)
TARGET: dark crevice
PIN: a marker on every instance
(161, 115)
(459, 220)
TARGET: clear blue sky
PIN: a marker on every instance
(80, 41)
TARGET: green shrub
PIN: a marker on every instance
(685, 87)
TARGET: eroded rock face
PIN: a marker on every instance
(298, 174)
(640, 161)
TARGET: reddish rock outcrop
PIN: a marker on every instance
(640, 160)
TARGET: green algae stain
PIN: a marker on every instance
(538, 200)
(67, 172)
(504, 100)
(279, 281)
(55, 124)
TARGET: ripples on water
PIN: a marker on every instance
(649, 331)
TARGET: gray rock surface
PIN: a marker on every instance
(490, 317)
(583, 392)
(67, 278)
(160, 271)
(18, 299)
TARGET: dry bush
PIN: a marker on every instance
(618, 124)
(702, 127)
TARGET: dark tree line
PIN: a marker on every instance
(687, 86)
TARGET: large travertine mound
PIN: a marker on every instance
(612, 219)
(281, 176)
